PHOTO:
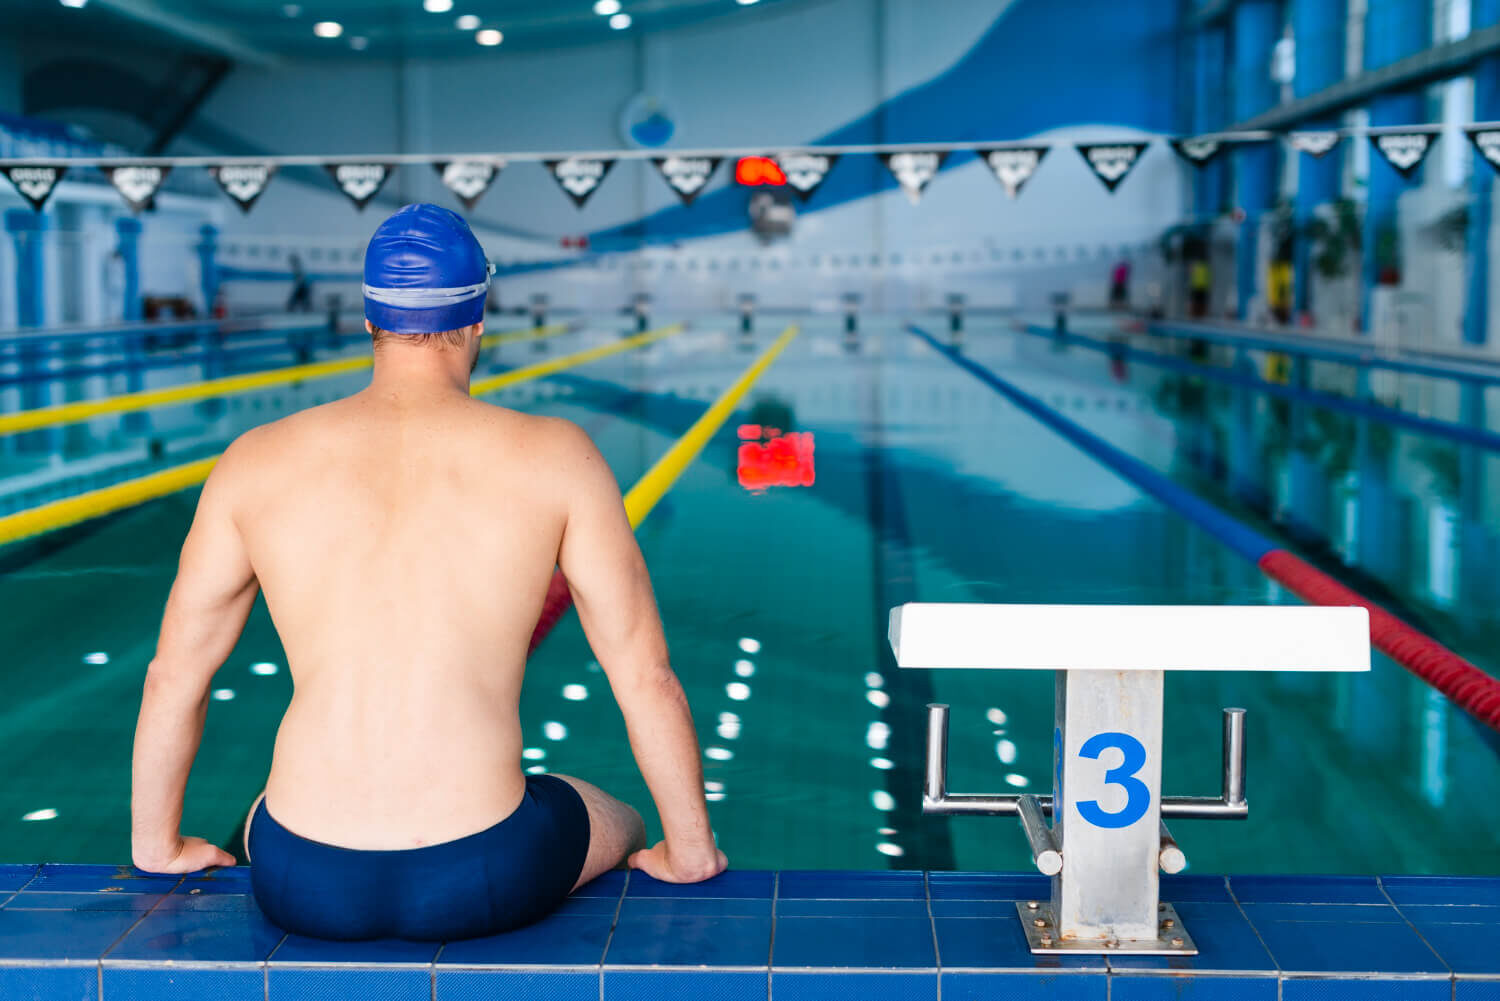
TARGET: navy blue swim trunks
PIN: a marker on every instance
(515, 873)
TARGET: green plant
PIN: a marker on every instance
(1335, 237)
(1450, 231)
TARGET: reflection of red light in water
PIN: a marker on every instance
(784, 460)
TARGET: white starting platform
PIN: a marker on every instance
(1108, 842)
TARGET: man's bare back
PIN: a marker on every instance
(404, 539)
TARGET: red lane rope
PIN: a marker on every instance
(1470, 688)
(559, 600)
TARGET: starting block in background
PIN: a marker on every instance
(1108, 842)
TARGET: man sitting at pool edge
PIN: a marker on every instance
(405, 538)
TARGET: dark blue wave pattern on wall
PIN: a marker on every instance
(1043, 64)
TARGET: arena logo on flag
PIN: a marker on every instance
(805, 171)
(360, 181)
(1314, 143)
(914, 170)
(35, 184)
(137, 183)
(1110, 162)
(469, 179)
(243, 182)
(687, 175)
(1197, 151)
(1487, 142)
(579, 177)
(1014, 165)
(1403, 150)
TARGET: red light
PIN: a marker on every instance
(783, 461)
(750, 432)
(753, 171)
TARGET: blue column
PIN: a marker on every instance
(1257, 23)
(128, 229)
(25, 228)
(1318, 29)
(1209, 115)
(1394, 29)
(1486, 109)
(208, 269)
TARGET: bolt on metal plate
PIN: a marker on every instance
(1041, 935)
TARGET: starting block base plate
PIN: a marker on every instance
(1174, 940)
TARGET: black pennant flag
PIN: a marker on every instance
(1314, 143)
(1487, 142)
(1403, 150)
(35, 184)
(469, 179)
(137, 183)
(1197, 151)
(579, 176)
(1110, 162)
(687, 175)
(360, 181)
(805, 171)
(914, 170)
(1013, 165)
(243, 182)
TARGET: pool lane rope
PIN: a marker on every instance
(73, 413)
(107, 500)
(1465, 684)
(653, 486)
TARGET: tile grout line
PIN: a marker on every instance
(771, 955)
(99, 963)
(1234, 898)
(937, 956)
(1452, 973)
(613, 923)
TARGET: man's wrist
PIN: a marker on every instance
(148, 853)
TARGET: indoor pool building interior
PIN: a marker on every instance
(1063, 437)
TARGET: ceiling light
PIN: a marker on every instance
(265, 669)
(328, 29)
(620, 22)
(604, 8)
(223, 694)
(97, 657)
(489, 36)
(575, 693)
(437, 6)
(749, 645)
(467, 22)
(554, 730)
(359, 43)
(73, 3)
(746, 3)
(291, 10)
(48, 813)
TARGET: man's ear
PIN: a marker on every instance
(369, 328)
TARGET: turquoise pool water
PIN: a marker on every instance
(928, 487)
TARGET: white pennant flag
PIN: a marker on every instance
(1110, 162)
(914, 170)
(1197, 151)
(1314, 143)
(359, 181)
(469, 179)
(1487, 143)
(1403, 150)
(687, 175)
(243, 182)
(35, 184)
(805, 171)
(1013, 165)
(137, 183)
(579, 177)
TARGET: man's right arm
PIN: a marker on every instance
(612, 592)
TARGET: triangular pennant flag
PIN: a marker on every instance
(1110, 162)
(1487, 142)
(1403, 150)
(579, 176)
(914, 170)
(244, 182)
(687, 175)
(1314, 143)
(805, 171)
(360, 181)
(35, 184)
(137, 183)
(1197, 151)
(469, 179)
(1013, 165)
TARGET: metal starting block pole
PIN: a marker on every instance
(1107, 843)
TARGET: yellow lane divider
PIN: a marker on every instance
(72, 413)
(107, 500)
(659, 478)
(528, 334)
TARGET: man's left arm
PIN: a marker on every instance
(206, 612)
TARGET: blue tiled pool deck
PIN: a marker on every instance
(88, 932)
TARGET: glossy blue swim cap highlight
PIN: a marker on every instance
(424, 272)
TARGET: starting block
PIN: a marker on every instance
(1107, 842)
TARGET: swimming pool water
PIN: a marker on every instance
(928, 487)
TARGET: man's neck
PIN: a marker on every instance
(419, 372)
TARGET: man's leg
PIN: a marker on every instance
(615, 830)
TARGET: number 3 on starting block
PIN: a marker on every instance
(1137, 794)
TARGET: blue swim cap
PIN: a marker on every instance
(424, 272)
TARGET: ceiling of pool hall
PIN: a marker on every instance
(268, 30)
